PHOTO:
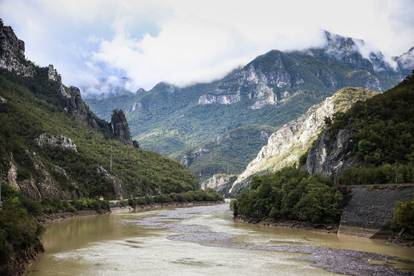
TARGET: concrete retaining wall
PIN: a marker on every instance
(371, 208)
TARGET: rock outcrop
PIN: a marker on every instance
(113, 181)
(12, 59)
(119, 127)
(330, 155)
(56, 141)
(292, 140)
(52, 74)
(219, 182)
(219, 99)
(40, 184)
(12, 53)
(12, 176)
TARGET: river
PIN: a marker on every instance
(205, 240)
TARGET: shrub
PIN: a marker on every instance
(404, 216)
(290, 194)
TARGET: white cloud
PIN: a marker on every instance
(184, 41)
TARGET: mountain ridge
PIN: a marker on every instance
(267, 92)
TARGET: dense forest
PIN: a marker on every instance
(383, 137)
(290, 194)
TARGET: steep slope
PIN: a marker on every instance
(370, 143)
(270, 91)
(286, 145)
(53, 146)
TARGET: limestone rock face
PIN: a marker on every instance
(115, 182)
(219, 99)
(12, 176)
(329, 156)
(56, 141)
(292, 140)
(12, 53)
(190, 157)
(53, 74)
(219, 182)
(120, 128)
(406, 60)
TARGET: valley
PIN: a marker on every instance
(201, 141)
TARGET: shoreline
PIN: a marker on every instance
(289, 224)
(56, 217)
(329, 229)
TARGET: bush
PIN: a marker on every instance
(19, 234)
(190, 196)
(383, 174)
(404, 217)
(290, 194)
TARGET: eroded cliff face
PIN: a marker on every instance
(331, 155)
(120, 128)
(12, 53)
(219, 182)
(292, 140)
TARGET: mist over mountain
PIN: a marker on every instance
(219, 126)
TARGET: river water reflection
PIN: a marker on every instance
(206, 241)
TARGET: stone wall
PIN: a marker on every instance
(371, 208)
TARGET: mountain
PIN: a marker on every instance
(370, 143)
(357, 175)
(52, 146)
(291, 141)
(189, 123)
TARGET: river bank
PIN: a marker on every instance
(325, 228)
(396, 238)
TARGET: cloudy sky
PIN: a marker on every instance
(139, 43)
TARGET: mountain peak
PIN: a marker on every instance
(406, 60)
(165, 86)
(12, 56)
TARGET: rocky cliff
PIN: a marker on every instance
(292, 140)
(219, 182)
(12, 53)
(120, 128)
(331, 155)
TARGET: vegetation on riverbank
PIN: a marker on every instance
(190, 196)
(20, 227)
(403, 221)
(290, 194)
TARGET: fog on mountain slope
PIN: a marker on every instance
(197, 124)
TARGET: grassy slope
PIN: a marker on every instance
(27, 116)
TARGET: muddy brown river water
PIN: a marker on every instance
(205, 240)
